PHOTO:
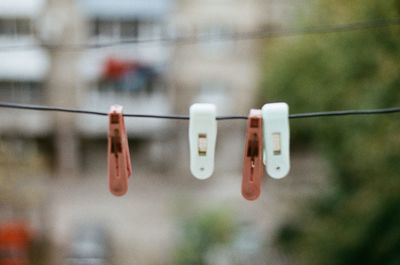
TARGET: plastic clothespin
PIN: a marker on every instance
(276, 139)
(202, 139)
(119, 160)
(253, 167)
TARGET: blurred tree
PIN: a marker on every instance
(201, 234)
(358, 222)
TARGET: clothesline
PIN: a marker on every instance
(185, 117)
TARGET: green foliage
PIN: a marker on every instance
(201, 233)
(358, 223)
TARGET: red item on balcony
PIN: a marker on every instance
(15, 238)
(16, 234)
(115, 69)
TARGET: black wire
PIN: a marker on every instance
(258, 34)
(48, 108)
(151, 116)
(185, 117)
(361, 25)
(345, 113)
(225, 118)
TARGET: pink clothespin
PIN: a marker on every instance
(119, 160)
(253, 166)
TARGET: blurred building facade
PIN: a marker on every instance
(149, 77)
(23, 72)
(219, 71)
(132, 75)
(23, 75)
(57, 70)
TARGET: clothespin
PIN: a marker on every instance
(119, 160)
(202, 139)
(276, 139)
(253, 167)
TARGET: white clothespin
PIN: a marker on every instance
(202, 139)
(276, 139)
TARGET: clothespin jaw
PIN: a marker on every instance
(202, 139)
(119, 161)
(276, 139)
(253, 167)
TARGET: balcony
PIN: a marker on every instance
(126, 8)
(29, 65)
(25, 123)
(138, 103)
(92, 61)
(20, 8)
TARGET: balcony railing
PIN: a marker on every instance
(154, 103)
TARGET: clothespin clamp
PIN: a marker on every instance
(202, 139)
(119, 161)
(276, 139)
(253, 167)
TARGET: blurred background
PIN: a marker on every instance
(339, 205)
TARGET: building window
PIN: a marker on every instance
(129, 84)
(129, 29)
(115, 29)
(125, 29)
(149, 29)
(21, 92)
(15, 27)
(103, 28)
